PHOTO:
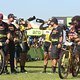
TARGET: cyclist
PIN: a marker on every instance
(72, 35)
(56, 41)
(75, 23)
(3, 32)
(47, 42)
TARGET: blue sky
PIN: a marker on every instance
(40, 8)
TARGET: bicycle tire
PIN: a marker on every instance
(75, 66)
(63, 68)
(1, 61)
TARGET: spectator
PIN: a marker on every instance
(24, 45)
(11, 44)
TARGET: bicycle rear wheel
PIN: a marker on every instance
(75, 65)
(1, 61)
(63, 65)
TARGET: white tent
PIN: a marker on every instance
(4, 17)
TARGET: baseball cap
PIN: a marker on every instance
(54, 20)
(11, 16)
(1, 16)
(21, 19)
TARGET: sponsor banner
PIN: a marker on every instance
(34, 32)
(37, 32)
(68, 20)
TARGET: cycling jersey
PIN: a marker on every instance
(22, 28)
(47, 32)
(47, 35)
(55, 35)
(3, 31)
(24, 33)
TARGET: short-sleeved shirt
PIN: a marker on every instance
(47, 35)
(12, 29)
(24, 33)
(3, 31)
(55, 35)
(48, 30)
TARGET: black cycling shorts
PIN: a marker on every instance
(46, 46)
(54, 52)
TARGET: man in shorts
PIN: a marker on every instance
(56, 41)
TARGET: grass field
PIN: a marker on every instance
(34, 73)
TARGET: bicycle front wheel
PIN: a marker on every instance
(63, 65)
(1, 61)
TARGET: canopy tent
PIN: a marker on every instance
(4, 17)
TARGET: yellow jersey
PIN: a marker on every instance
(22, 28)
(47, 34)
(24, 33)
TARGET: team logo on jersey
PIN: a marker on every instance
(1, 28)
(54, 32)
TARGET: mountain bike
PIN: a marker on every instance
(68, 61)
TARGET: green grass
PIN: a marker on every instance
(35, 73)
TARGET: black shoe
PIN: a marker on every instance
(43, 71)
(23, 71)
(53, 69)
(14, 72)
(6, 72)
(17, 70)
